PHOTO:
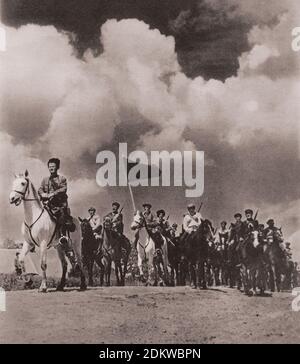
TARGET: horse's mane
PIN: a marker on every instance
(35, 194)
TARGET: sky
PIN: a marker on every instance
(216, 76)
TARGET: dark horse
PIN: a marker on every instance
(90, 247)
(195, 249)
(252, 264)
(174, 259)
(115, 248)
(278, 262)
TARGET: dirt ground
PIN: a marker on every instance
(148, 315)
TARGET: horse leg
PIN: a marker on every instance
(192, 271)
(78, 258)
(272, 277)
(107, 271)
(90, 264)
(118, 272)
(23, 253)
(152, 270)
(64, 265)
(140, 264)
(181, 272)
(201, 274)
(43, 253)
(278, 279)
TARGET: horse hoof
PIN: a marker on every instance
(193, 286)
(60, 288)
(82, 288)
(42, 290)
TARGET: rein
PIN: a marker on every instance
(29, 227)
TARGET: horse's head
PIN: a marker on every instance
(207, 230)
(107, 223)
(278, 236)
(254, 235)
(138, 221)
(86, 228)
(19, 188)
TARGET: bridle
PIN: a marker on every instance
(29, 227)
(23, 194)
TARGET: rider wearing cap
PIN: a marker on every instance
(148, 216)
(95, 221)
(192, 220)
(249, 224)
(235, 234)
(53, 193)
(116, 218)
(270, 232)
(162, 224)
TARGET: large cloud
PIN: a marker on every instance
(74, 108)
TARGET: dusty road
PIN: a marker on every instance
(148, 315)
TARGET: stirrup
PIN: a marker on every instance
(63, 241)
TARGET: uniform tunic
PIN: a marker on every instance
(191, 223)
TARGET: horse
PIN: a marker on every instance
(217, 262)
(174, 259)
(278, 262)
(234, 275)
(195, 248)
(151, 248)
(252, 264)
(110, 251)
(39, 229)
(90, 247)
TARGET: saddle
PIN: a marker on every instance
(63, 219)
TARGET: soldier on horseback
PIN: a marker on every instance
(148, 216)
(53, 193)
(250, 224)
(114, 220)
(162, 224)
(271, 234)
(95, 222)
(235, 234)
(192, 220)
(222, 235)
(173, 230)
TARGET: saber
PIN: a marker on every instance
(255, 216)
(132, 198)
(200, 206)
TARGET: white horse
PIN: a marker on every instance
(148, 253)
(39, 229)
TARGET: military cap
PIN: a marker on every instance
(237, 215)
(287, 243)
(223, 223)
(158, 212)
(147, 205)
(116, 204)
(174, 225)
(191, 206)
(270, 221)
(92, 209)
(248, 211)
